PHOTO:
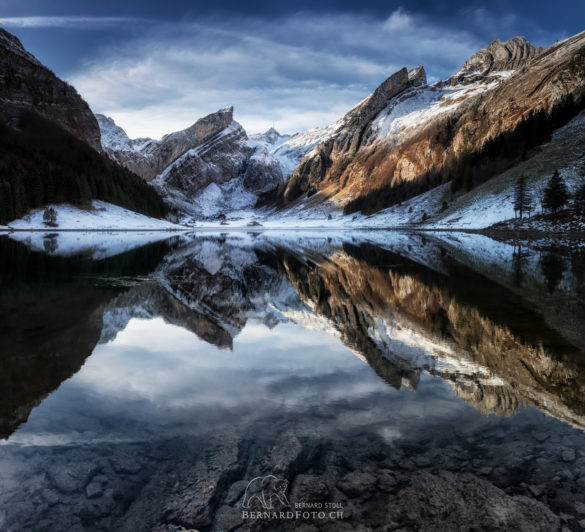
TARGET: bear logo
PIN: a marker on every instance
(266, 491)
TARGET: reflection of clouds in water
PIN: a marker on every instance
(157, 375)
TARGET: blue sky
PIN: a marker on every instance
(156, 67)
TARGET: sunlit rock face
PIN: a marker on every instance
(26, 85)
(352, 133)
(497, 57)
(407, 128)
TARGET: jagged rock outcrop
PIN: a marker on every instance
(402, 134)
(497, 57)
(219, 161)
(417, 77)
(214, 152)
(356, 121)
(332, 155)
(27, 85)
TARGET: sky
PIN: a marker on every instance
(156, 67)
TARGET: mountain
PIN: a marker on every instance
(270, 137)
(206, 170)
(408, 136)
(415, 151)
(26, 84)
(148, 157)
(50, 150)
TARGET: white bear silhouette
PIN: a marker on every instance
(266, 490)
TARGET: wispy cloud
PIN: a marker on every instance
(64, 22)
(297, 71)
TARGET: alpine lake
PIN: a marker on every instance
(282, 380)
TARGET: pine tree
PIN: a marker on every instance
(555, 194)
(579, 200)
(522, 198)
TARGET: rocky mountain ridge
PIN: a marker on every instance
(352, 131)
(208, 169)
(420, 127)
(148, 157)
(402, 131)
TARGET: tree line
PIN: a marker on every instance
(554, 198)
(472, 168)
(41, 163)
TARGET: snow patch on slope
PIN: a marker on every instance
(416, 107)
(115, 139)
(99, 216)
(290, 152)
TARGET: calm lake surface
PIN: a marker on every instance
(285, 381)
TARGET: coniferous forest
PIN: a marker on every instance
(472, 168)
(41, 163)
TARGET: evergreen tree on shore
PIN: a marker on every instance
(522, 198)
(555, 193)
(579, 198)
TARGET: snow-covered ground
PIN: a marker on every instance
(100, 216)
(100, 231)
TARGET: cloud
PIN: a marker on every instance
(64, 22)
(398, 20)
(297, 71)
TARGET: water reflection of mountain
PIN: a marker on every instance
(52, 312)
(400, 316)
(498, 354)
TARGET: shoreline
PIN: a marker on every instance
(496, 234)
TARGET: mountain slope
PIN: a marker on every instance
(50, 148)
(493, 201)
(26, 84)
(417, 133)
(147, 157)
(42, 164)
